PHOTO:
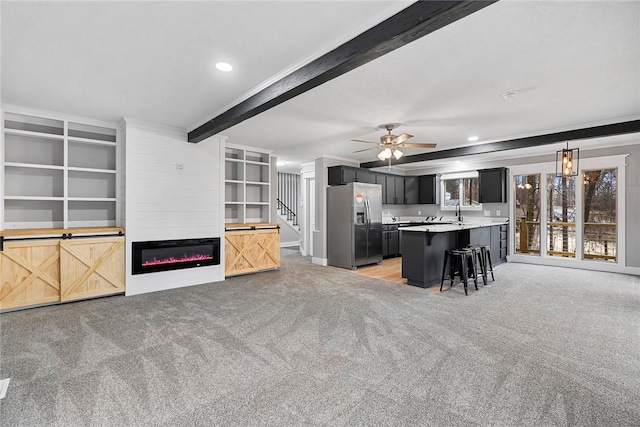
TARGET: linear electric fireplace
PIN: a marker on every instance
(163, 255)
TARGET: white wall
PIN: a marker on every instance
(163, 203)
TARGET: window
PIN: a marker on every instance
(600, 214)
(527, 214)
(460, 189)
(561, 216)
(572, 220)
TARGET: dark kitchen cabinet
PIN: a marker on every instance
(381, 179)
(411, 190)
(499, 243)
(492, 185)
(365, 175)
(427, 188)
(395, 190)
(390, 240)
(340, 175)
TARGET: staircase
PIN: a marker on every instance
(288, 193)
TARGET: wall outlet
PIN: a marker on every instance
(180, 167)
(487, 213)
(419, 212)
(497, 212)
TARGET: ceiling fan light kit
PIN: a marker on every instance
(390, 144)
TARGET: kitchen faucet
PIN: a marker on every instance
(458, 212)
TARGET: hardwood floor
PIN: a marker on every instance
(390, 270)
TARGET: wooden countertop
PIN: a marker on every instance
(74, 230)
(250, 226)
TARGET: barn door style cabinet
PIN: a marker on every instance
(60, 181)
(252, 241)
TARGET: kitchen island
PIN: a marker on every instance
(423, 247)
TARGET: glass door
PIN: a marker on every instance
(561, 216)
(600, 214)
(527, 214)
(579, 218)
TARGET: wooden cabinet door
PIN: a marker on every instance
(248, 251)
(30, 273)
(427, 186)
(492, 185)
(91, 267)
(365, 175)
(381, 180)
(411, 190)
(399, 184)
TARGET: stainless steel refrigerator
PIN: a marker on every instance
(354, 224)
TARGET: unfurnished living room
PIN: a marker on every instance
(320, 213)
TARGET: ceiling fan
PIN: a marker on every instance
(390, 144)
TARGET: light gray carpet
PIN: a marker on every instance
(311, 345)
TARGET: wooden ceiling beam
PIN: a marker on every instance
(613, 129)
(410, 24)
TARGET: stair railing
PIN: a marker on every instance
(291, 215)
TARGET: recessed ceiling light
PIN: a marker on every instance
(472, 138)
(223, 66)
(510, 96)
(281, 163)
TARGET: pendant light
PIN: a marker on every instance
(567, 161)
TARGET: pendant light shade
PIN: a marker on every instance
(567, 161)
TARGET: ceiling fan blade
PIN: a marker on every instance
(419, 145)
(402, 138)
(366, 149)
(360, 140)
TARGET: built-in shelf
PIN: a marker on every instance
(247, 185)
(58, 173)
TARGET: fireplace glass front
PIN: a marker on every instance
(163, 255)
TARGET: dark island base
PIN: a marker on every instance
(423, 252)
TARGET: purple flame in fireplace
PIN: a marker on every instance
(149, 257)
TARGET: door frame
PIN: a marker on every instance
(608, 162)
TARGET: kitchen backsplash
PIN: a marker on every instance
(491, 210)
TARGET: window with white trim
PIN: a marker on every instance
(461, 189)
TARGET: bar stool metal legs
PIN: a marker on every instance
(457, 260)
(478, 255)
(488, 265)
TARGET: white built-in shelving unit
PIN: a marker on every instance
(247, 185)
(58, 173)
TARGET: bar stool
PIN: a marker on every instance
(479, 257)
(457, 259)
(488, 265)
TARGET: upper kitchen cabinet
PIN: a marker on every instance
(381, 179)
(411, 190)
(427, 188)
(492, 184)
(395, 190)
(58, 173)
(366, 176)
(340, 175)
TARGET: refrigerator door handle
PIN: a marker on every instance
(368, 204)
(366, 214)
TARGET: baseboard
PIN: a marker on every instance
(319, 261)
(578, 264)
(287, 244)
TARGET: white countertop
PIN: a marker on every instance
(465, 225)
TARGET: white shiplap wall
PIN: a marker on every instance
(163, 202)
